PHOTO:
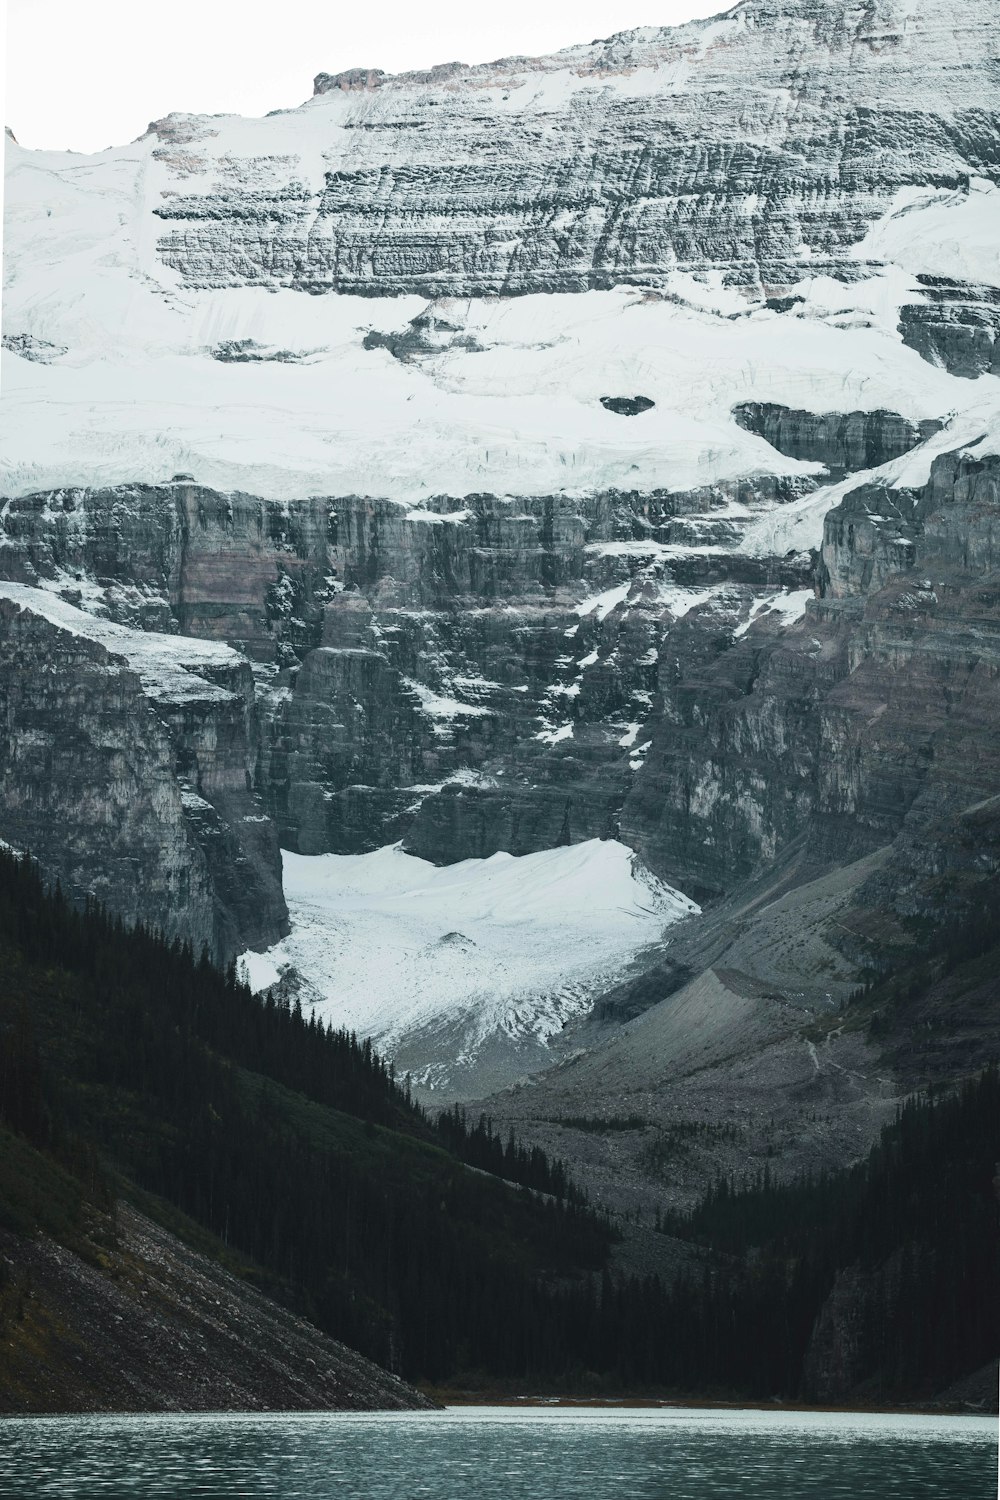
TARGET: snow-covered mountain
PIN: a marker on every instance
(547, 435)
(809, 149)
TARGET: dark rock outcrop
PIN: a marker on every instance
(843, 441)
(627, 406)
(957, 325)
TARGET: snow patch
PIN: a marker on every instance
(167, 665)
(789, 605)
(555, 736)
(602, 604)
(940, 233)
(440, 707)
(545, 931)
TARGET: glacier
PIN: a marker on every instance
(436, 963)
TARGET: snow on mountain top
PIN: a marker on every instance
(124, 369)
(863, 39)
(167, 665)
(500, 951)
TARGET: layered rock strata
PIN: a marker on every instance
(708, 144)
(474, 677)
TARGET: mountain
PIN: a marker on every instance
(554, 460)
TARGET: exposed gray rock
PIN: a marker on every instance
(469, 181)
(349, 80)
(844, 441)
(627, 406)
(448, 674)
(957, 325)
(427, 334)
(127, 773)
(848, 717)
(42, 351)
(248, 352)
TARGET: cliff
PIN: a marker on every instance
(712, 143)
(126, 767)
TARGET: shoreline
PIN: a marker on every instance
(460, 1399)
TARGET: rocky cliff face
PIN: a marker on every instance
(126, 768)
(956, 325)
(869, 716)
(707, 144)
(474, 678)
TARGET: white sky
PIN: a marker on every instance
(86, 74)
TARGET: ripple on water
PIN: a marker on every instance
(493, 1454)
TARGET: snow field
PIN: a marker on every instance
(129, 390)
(507, 946)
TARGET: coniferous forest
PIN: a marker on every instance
(434, 1245)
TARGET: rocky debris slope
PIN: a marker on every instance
(159, 1327)
(126, 767)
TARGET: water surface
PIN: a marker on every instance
(482, 1453)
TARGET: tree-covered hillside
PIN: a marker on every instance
(129, 1069)
(131, 1063)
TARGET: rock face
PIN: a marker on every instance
(707, 144)
(126, 768)
(473, 680)
(843, 442)
(471, 677)
(870, 715)
(957, 325)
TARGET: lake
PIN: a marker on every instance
(484, 1453)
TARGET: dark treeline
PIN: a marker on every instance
(599, 1124)
(327, 1065)
(914, 1228)
(291, 1143)
(294, 1146)
(482, 1147)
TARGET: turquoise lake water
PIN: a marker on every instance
(481, 1453)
